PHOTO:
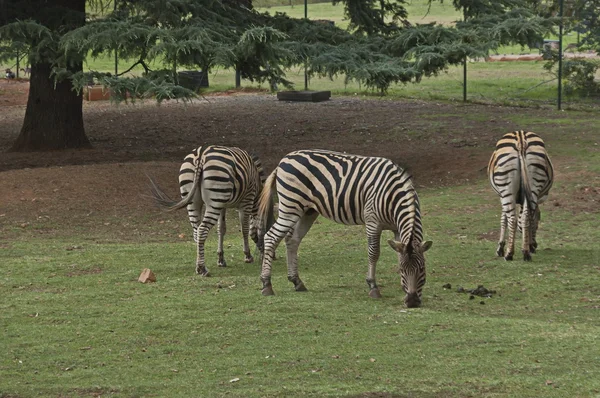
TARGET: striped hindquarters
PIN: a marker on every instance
(229, 174)
(520, 168)
(228, 177)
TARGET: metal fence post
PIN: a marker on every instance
(560, 55)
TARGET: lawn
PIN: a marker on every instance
(76, 322)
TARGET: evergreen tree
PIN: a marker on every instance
(380, 48)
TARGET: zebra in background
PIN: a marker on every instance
(219, 177)
(520, 172)
(350, 190)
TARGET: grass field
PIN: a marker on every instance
(76, 323)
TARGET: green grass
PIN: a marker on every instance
(77, 323)
(418, 12)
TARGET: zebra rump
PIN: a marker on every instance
(217, 178)
(521, 173)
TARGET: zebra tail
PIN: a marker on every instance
(164, 201)
(525, 186)
(266, 204)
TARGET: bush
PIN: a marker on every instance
(578, 74)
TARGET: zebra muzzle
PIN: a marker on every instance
(412, 300)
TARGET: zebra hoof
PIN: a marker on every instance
(221, 261)
(268, 291)
(500, 250)
(526, 256)
(300, 287)
(203, 272)
(374, 293)
(508, 257)
(532, 249)
(249, 259)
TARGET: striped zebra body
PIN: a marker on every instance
(218, 178)
(521, 173)
(351, 190)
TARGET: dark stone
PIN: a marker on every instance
(310, 96)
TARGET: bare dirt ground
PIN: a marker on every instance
(54, 192)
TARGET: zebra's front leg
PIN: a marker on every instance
(292, 243)
(211, 217)
(501, 242)
(373, 239)
(221, 229)
(245, 223)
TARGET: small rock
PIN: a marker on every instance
(447, 286)
(147, 276)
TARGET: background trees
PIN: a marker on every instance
(379, 49)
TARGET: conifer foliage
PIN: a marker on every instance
(163, 36)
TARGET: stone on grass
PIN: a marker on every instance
(147, 276)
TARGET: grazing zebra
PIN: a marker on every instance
(351, 190)
(520, 172)
(220, 178)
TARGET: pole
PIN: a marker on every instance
(116, 56)
(465, 80)
(560, 55)
(305, 63)
(465, 66)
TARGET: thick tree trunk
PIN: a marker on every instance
(54, 115)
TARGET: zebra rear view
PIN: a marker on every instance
(350, 190)
(521, 173)
(219, 178)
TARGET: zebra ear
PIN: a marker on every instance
(397, 246)
(426, 246)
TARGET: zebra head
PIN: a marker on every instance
(412, 269)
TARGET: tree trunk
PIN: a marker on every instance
(54, 115)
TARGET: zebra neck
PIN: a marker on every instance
(409, 225)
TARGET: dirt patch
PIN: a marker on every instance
(77, 271)
(13, 92)
(100, 191)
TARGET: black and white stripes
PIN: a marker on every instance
(521, 173)
(219, 178)
(350, 190)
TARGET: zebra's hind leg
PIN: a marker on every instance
(245, 223)
(512, 232)
(221, 229)
(526, 227)
(537, 215)
(211, 216)
(501, 242)
(292, 243)
(283, 225)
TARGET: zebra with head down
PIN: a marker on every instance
(351, 190)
